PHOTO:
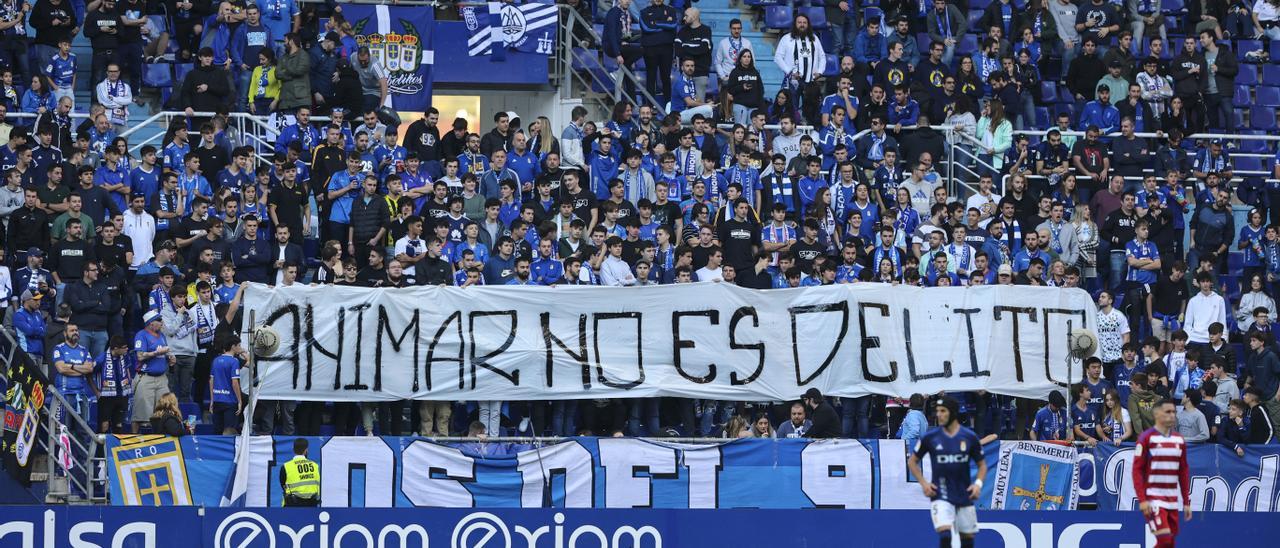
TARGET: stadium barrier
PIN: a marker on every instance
(32, 526)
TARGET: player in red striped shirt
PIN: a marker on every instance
(1161, 476)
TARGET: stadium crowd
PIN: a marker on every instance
(125, 273)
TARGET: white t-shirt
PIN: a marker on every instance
(1111, 329)
(412, 248)
(705, 274)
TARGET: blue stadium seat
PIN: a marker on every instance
(1064, 96)
(1274, 44)
(974, 17)
(828, 40)
(1247, 163)
(968, 45)
(1268, 96)
(833, 65)
(1049, 91)
(1254, 146)
(1239, 122)
(585, 59)
(778, 17)
(1248, 75)
(979, 5)
(817, 17)
(922, 44)
(1173, 7)
(1042, 117)
(873, 13)
(1241, 97)
(1246, 46)
(1262, 118)
(713, 87)
(1271, 74)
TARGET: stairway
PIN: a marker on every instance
(717, 14)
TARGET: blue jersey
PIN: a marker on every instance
(144, 182)
(1144, 250)
(1050, 424)
(224, 369)
(1121, 376)
(952, 457)
(73, 356)
(105, 175)
(1097, 393)
(174, 154)
(144, 341)
(1086, 419)
(1253, 251)
(62, 71)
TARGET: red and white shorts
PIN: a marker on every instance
(1163, 518)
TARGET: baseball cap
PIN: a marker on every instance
(28, 295)
(1005, 269)
(35, 251)
(150, 316)
(333, 37)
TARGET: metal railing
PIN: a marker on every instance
(575, 51)
(1263, 156)
(85, 478)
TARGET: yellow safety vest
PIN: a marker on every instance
(301, 478)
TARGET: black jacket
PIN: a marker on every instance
(29, 227)
(433, 271)
(1185, 83)
(826, 423)
(1083, 75)
(1225, 75)
(368, 218)
(90, 305)
(210, 99)
(95, 24)
(495, 141)
(746, 86)
(695, 44)
(292, 255)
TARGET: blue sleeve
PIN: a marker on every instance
(612, 39)
(237, 46)
(860, 48)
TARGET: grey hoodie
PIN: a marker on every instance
(180, 330)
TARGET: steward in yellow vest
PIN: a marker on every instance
(300, 478)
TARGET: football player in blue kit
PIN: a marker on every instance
(953, 449)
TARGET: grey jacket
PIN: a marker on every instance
(180, 330)
(1192, 425)
(1066, 241)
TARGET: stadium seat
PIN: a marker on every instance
(828, 40)
(1262, 118)
(968, 45)
(1267, 96)
(1173, 7)
(979, 5)
(833, 65)
(1271, 74)
(1245, 46)
(1241, 97)
(1064, 96)
(1247, 163)
(1274, 44)
(974, 17)
(1248, 75)
(873, 13)
(1049, 92)
(1042, 117)
(1252, 146)
(817, 17)
(922, 44)
(778, 17)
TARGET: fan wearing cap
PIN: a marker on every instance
(151, 350)
(826, 423)
(1100, 112)
(953, 449)
(29, 324)
(1212, 159)
(1050, 423)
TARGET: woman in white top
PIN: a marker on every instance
(1115, 425)
(1087, 235)
(1266, 19)
(1256, 297)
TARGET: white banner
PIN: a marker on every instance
(709, 340)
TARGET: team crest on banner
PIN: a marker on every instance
(150, 471)
(529, 27)
(400, 39)
(1035, 476)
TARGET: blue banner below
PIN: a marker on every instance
(28, 526)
